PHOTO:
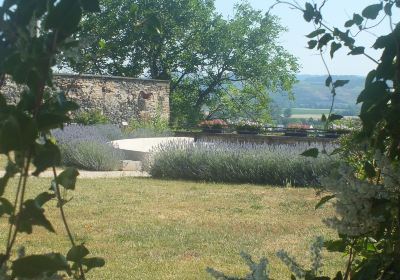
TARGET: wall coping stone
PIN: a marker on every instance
(107, 77)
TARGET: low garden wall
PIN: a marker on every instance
(120, 99)
(255, 139)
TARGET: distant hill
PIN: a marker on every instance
(311, 92)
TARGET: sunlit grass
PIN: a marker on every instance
(152, 229)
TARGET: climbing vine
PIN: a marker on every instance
(32, 35)
(366, 200)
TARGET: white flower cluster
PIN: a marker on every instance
(355, 198)
(390, 173)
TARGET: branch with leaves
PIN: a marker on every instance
(32, 34)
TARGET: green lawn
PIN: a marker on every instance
(151, 229)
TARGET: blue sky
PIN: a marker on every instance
(336, 13)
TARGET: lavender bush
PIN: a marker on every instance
(88, 147)
(241, 163)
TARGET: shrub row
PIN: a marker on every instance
(239, 163)
(89, 148)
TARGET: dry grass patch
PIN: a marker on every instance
(151, 229)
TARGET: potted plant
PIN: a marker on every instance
(297, 130)
(213, 126)
(248, 128)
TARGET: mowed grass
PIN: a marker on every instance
(152, 229)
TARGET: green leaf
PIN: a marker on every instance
(324, 40)
(357, 51)
(312, 44)
(91, 263)
(344, 36)
(370, 78)
(385, 42)
(388, 9)
(372, 11)
(328, 81)
(335, 47)
(65, 17)
(314, 152)
(47, 155)
(316, 33)
(43, 198)
(35, 265)
(77, 253)
(48, 121)
(358, 20)
(91, 6)
(369, 169)
(335, 245)
(102, 43)
(340, 83)
(308, 13)
(68, 177)
(10, 135)
(373, 93)
(349, 23)
(323, 118)
(324, 200)
(6, 207)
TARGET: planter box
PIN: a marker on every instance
(296, 133)
(213, 130)
(249, 132)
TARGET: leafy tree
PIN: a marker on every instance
(212, 62)
(32, 33)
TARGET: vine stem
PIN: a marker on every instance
(21, 189)
(350, 262)
(64, 219)
(14, 209)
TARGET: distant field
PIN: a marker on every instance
(309, 111)
(306, 116)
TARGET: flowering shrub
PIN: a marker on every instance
(242, 163)
(88, 147)
(248, 126)
(217, 124)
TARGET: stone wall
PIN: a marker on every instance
(120, 99)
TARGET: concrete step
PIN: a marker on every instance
(130, 165)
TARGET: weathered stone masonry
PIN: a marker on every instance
(120, 99)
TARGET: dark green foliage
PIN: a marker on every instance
(373, 152)
(32, 34)
(67, 178)
(90, 118)
(204, 55)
